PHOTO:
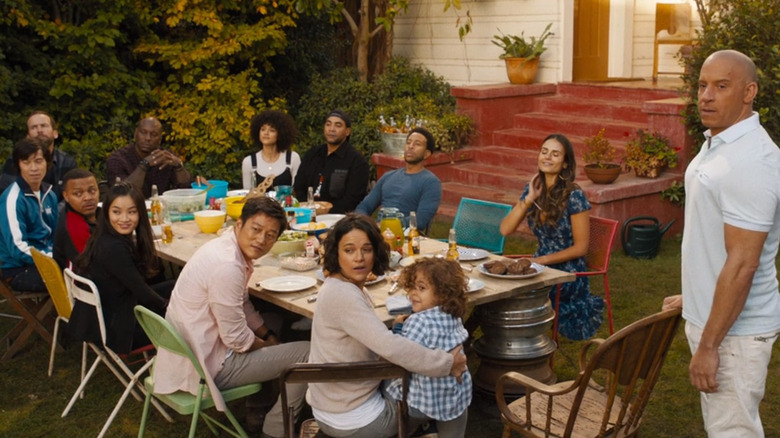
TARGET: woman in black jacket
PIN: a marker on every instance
(120, 258)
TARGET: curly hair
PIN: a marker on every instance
(448, 280)
(363, 223)
(282, 122)
(553, 202)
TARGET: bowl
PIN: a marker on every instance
(241, 192)
(313, 228)
(218, 190)
(184, 200)
(234, 205)
(322, 207)
(297, 261)
(209, 221)
(290, 241)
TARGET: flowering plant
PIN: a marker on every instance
(649, 153)
(599, 151)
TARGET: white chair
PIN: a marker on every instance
(84, 290)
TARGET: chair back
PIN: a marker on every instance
(163, 335)
(477, 224)
(340, 372)
(84, 290)
(632, 359)
(602, 236)
(55, 283)
(675, 19)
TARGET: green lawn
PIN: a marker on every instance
(31, 402)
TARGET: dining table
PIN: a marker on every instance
(188, 238)
(514, 312)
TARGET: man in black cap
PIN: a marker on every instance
(413, 188)
(337, 172)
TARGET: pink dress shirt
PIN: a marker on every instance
(211, 310)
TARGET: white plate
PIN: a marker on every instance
(475, 285)
(321, 277)
(406, 261)
(288, 283)
(333, 218)
(539, 268)
(471, 254)
(307, 225)
(237, 193)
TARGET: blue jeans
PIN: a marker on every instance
(26, 279)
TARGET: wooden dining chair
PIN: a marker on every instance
(477, 224)
(338, 372)
(85, 291)
(609, 393)
(31, 309)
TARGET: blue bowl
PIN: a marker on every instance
(219, 189)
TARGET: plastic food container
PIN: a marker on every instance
(181, 201)
(219, 189)
(297, 261)
(290, 241)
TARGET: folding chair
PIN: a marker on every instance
(477, 224)
(84, 290)
(52, 278)
(31, 308)
(164, 336)
(338, 372)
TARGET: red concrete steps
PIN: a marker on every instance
(576, 125)
(595, 108)
(614, 92)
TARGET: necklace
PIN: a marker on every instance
(270, 161)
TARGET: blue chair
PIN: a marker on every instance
(477, 224)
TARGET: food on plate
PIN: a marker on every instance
(312, 226)
(371, 276)
(510, 267)
(289, 236)
(496, 267)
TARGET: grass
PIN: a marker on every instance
(31, 402)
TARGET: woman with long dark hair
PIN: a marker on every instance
(120, 258)
(273, 134)
(558, 214)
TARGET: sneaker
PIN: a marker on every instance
(303, 324)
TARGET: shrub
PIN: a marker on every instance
(734, 24)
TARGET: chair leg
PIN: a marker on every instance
(83, 383)
(555, 327)
(196, 412)
(144, 415)
(608, 300)
(133, 382)
(54, 344)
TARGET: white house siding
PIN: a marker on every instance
(429, 36)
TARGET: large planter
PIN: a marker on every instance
(521, 72)
(393, 144)
(602, 175)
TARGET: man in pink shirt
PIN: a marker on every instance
(211, 309)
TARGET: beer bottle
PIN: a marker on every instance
(155, 208)
(414, 235)
(452, 252)
(389, 237)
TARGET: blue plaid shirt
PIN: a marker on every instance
(440, 398)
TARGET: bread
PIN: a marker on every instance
(496, 267)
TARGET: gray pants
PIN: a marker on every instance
(261, 366)
(455, 428)
(384, 426)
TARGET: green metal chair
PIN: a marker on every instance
(477, 224)
(164, 336)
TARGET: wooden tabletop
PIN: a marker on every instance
(187, 239)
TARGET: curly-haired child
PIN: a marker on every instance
(437, 289)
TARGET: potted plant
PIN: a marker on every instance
(521, 56)
(600, 156)
(649, 154)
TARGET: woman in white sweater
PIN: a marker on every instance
(346, 329)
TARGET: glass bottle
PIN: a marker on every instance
(155, 208)
(452, 252)
(389, 237)
(318, 190)
(414, 235)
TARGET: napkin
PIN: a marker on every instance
(398, 305)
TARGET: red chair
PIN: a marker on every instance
(602, 235)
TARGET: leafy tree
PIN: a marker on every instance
(734, 24)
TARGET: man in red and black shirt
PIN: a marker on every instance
(77, 221)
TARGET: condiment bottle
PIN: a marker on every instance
(155, 208)
(389, 237)
(452, 252)
(414, 235)
(399, 245)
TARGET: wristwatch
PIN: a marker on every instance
(144, 164)
(268, 333)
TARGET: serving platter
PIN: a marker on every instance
(539, 268)
(471, 254)
(287, 283)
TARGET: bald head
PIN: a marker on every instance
(148, 135)
(728, 84)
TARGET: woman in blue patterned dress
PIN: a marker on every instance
(558, 214)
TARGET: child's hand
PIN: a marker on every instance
(400, 319)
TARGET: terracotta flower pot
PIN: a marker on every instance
(521, 72)
(602, 175)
